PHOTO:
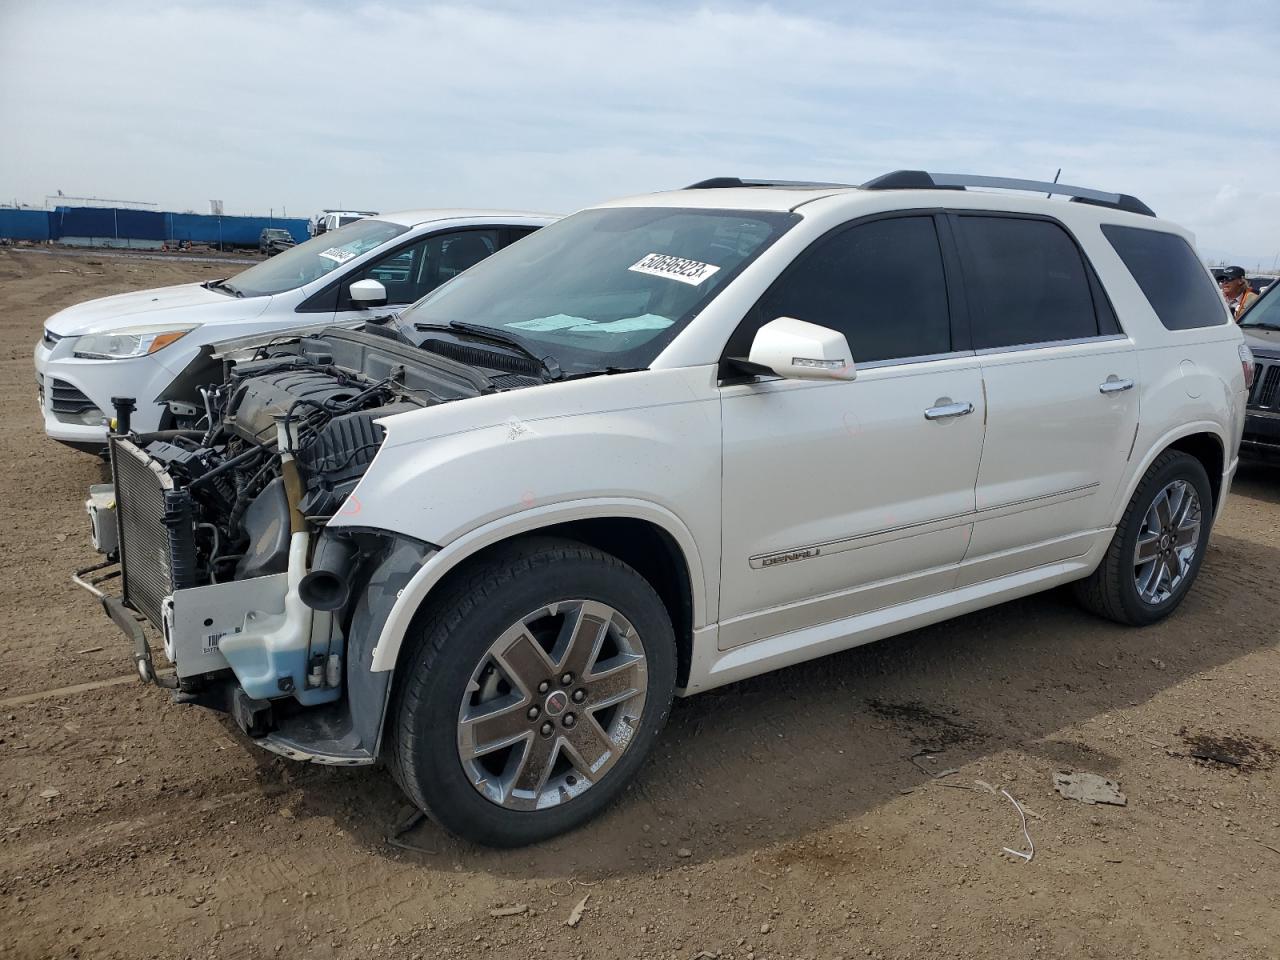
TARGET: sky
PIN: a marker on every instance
(297, 106)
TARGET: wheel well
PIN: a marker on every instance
(645, 547)
(652, 553)
(1206, 448)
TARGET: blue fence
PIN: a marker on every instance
(24, 224)
(242, 231)
(110, 225)
(103, 223)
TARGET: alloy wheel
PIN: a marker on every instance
(1167, 542)
(552, 705)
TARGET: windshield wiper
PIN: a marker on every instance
(548, 363)
(222, 285)
(1260, 325)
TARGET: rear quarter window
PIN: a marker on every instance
(1171, 276)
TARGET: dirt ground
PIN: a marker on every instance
(801, 814)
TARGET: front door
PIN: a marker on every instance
(844, 497)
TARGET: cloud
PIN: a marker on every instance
(557, 106)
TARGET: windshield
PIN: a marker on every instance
(309, 261)
(604, 288)
(1265, 313)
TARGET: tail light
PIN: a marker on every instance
(1246, 361)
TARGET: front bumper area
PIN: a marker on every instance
(297, 680)
(74, 394)
(324, 733)
(1261, 437)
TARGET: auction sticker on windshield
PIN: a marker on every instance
(692, 272)
(337, 254)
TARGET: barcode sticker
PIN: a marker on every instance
(212, 640)
(692, 272)
(338, 255)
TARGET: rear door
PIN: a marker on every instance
(1060, 378)
(841, 497)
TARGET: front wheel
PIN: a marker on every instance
(538, 681)
(1158, 546)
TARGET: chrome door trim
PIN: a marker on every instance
(1048, 344)
(827, 547)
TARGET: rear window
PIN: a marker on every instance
(1027, 283)
(1171, 276)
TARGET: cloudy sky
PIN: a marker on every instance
(554, 106)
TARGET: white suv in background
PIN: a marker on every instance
(672, 442)
(139, 344)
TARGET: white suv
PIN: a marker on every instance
(672, 442)
(141, 345)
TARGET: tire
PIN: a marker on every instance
(452, 682)
(1132, 591)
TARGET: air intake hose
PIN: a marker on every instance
(328, 584)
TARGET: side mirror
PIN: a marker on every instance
(368, 293)
(797, 350)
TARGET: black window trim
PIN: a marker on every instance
(1097, 291)
(957, 306)
(310, 305)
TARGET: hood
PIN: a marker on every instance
(185, 303)
(1263, 343)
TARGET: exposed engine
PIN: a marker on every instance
(219, 528)
(321, 395)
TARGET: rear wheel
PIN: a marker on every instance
(1158, 545)
(538, 682)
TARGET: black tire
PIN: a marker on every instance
(449, 640)
(1111, 591)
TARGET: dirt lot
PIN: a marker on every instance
(796, 815)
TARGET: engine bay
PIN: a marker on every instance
(330, 389)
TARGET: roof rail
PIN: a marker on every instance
(717, 183)
(921, 180)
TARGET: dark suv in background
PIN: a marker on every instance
(273, 240)
(1261, 328)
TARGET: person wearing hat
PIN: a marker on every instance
(1235, 288)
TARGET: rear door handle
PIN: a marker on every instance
(945, 411)
(1114, 384)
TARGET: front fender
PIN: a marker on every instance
(412, 596)
(468, 474)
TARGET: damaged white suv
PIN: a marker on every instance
(665, 444)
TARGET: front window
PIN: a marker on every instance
(604, 288)
(314, 259)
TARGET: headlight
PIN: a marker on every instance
(130, 342)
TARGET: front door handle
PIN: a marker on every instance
(945, 410)
(1114, 384)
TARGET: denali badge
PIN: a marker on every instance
(776, 558)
